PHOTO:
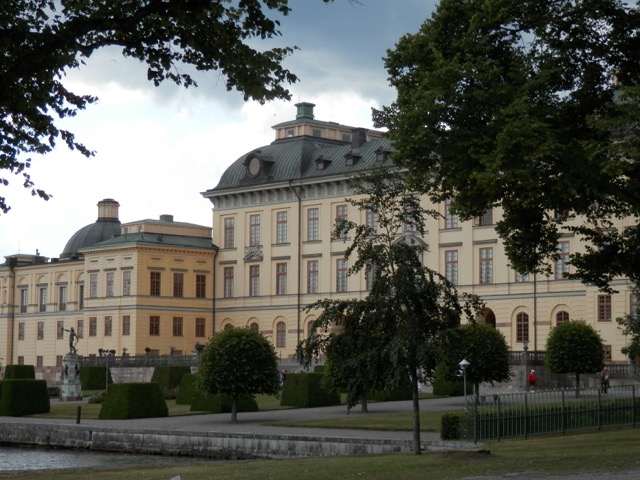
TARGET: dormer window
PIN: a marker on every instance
(257, 164)
(290, 132)
(381, 155)
(322, 163)
(351, 159)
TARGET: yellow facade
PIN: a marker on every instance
(294, 204)
(105, 293)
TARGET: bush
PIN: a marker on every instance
(93, 377)
(450, 426)
(23, 397)
(444, 387)
(221, 403)
(16, 372)
(133, 400)
(187, 389)
(306, 390)
(169, 376)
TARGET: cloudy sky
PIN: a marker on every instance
(157, 149)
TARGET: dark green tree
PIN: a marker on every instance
(407, 306)
(239, 362)
(532, 106)
(484, 347)
(630, 325)
(574, 348)
(42, 40)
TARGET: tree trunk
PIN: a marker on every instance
(577, 385)
(416, 413)
(363, 403)
(234, 410)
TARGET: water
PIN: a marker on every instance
(23, 458)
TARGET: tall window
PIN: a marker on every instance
(177, 326)
(93, 285)
(39, 361)
(281, 335)
(62, 298)
(200, 327)
(372, 222)
(60, 330)
(341, 217)
(254, 280)
(126, 325)
(341, 275)
(604, 308)
(451, 266)
(80, 328)
(486, 218)
(313, 224)
(93, 326)
(24, 300)
(108, 326)
(312, 276)
(562, 263)
(81, 296)
(229, 232)
(110, 276)
(154, 283)
(522, 327)
(42, 299)
(201, 286)
(21, 331)
(126, 282)
(486, 265)
(522, 277)
(178, 284)
(562, 317)
(254, 230)
(281, 227)
(154, 325)
(369, 276)
(254, 326)
(228, 282)
(450, 218)
(281, 278)
(634, 305)
(40, 331)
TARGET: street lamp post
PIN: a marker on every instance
(463, 366)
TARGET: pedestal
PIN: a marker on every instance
(70, 386)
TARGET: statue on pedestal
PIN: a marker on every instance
(73, 340)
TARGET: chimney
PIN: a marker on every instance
(108, 210)
(358, 137)
(305, 110)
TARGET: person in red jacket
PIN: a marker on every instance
(532, 380)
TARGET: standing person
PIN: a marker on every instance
(604, 380)
(532, 380)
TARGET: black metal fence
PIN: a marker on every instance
(551, 412)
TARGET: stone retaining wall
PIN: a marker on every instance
(215, 445)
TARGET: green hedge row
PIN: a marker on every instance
(21, 397)
(306, 390)
(169, 376)
(94, 377)
(15, 372)
(221, 403)
(133, 400)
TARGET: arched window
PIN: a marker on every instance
(228, 326)
(522, 327)
(562, 317)
(310, 330)
(254, 326)
(281, 335)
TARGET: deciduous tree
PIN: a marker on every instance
(42, 40)
(532, 106)
(239, 362)
(574, 348)
(408, 304)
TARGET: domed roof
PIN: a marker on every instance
(106, 227)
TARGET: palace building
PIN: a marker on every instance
(274, 209)
(162, 287)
